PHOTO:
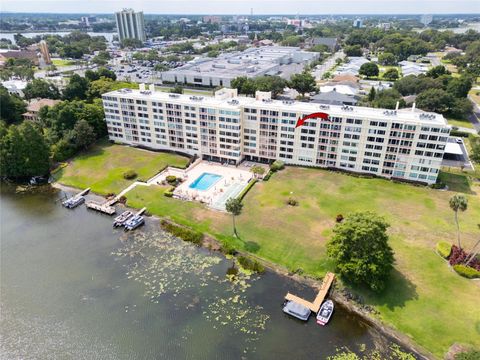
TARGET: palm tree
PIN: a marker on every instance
(458, 202)
(234, 206)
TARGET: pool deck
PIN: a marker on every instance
(233, 181)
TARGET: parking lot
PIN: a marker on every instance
(456, 154)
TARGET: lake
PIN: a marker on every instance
(74, 288)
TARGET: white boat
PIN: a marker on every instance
(134, 222)
(73, 202)
(296, 310)
(325, 312)
(122, 219)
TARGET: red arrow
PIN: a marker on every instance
(320, 115)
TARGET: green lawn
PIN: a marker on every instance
(424, 299)
(102, 167)
(62, 62)
(461, 123)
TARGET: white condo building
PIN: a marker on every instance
(403, 144)
(130, 25)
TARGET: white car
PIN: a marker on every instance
(459, 141)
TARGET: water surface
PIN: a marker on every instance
(74, 288)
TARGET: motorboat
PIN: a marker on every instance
(121, 219)
(73, 202)
(134, 222)
(325, 312)
(296, 310)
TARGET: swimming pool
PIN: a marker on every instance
(205, 181)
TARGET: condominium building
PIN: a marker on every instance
(45, 52)
(130, 25)
(403, 144)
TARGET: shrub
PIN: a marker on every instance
(277, 165)
(169, 192)
(129, 175)
(458, 256)
(292, 202)
(171, 179)
(183, 233)
(466, 271)
(444, 249)
(228, 249)
(250, 264)
(339, 218)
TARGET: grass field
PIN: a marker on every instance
(62, 62)
(102, 167)
(461, 123)
(424, 299)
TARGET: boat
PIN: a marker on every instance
(296, 310)
(121, 219)
(134, 222)
(73, 202)
(325, 312)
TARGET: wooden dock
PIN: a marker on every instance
(141, 211)
(322, 293)
(106, 207)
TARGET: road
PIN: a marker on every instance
(475, 115)
(327, 65)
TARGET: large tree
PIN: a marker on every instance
(369, 69)
(23, 151)
(359, 246)
(84, 134)
(303, 83)
(39, 88)
(76, 88)
(11, 106)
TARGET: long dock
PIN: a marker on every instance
(322, 293)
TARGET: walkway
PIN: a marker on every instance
(322, 293)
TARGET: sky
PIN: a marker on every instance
(260, 7)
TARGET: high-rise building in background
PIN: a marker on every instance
(130, 25)
(358, 23)
(44, 51)
(426, 19)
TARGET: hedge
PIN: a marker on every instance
(459, 133)
(266, 177)
(247, 188)
(444, 249)
(169, 192)
(183, 233)
(467, 271)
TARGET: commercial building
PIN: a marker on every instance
(403, 144)
(130, 25)
(253, 62)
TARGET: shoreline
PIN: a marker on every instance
(338, 296)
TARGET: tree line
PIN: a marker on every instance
(30, 148)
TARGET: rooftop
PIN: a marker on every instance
(251, 62)
(226, 98)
